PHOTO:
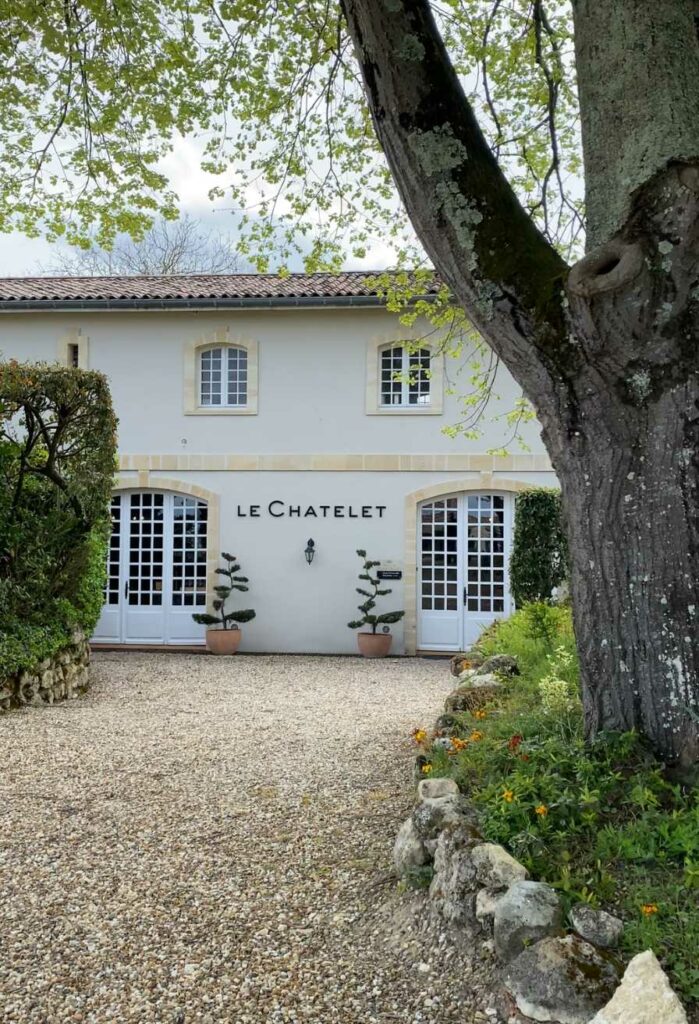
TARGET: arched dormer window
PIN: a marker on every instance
(223, 377)
(404, 377)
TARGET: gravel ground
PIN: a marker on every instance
(208, 840)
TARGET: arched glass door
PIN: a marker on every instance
(156, 569)
(463, 578)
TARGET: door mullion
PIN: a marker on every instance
(124, 556)
(168, 559)
(461, 563)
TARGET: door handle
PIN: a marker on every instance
(126, 589)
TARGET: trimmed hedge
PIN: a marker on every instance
(539, 551)
(57, 461)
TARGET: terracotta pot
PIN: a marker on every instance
(374, 645)
(222, 641)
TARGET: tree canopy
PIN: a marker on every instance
(94, 96)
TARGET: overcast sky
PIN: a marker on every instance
(20, 256)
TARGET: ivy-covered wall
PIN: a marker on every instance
(57, 461)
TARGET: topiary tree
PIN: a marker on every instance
(539, 550)
(224, 619)
(366, 608)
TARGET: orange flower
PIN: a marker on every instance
(476, 736)
(648, 909)
(508, 796)
(480, 714)
(457, 743)
(426, 769)
(542, 810)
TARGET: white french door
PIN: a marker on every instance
(463, 576)
(156, 571)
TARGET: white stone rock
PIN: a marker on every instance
(643, 997)
(409, 851)
(562, 980)
(596, 926)
(527, 912)
(496, 868)
(454, 885)
(432, 789)
(486, 903)
(485, 679)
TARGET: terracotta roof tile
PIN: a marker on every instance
(186, 287)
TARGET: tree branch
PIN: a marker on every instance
(482, 241)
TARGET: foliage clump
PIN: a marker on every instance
(539, 549)
(367, 607)
(224, 619)
(602, 823)
(57, 462)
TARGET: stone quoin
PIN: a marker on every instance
(256, 412)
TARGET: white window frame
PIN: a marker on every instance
(219, 339)
(406, 372)
(226, 354)
(410, 344)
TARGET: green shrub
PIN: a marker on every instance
(539, 550)
(600, 822)
(57, 460)
(23, 646)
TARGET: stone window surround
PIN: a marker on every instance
(373, 405)
(74, 336)
(220, 338)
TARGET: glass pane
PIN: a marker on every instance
(485, 560)
(189, 553)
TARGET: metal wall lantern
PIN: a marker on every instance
(310, 550)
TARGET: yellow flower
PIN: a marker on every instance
(480, 714)
(426, 769)
(508, 796)
(649, 908)
(419, 735)
(475, 736)
(542, 810)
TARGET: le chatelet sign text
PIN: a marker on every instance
(281, 509)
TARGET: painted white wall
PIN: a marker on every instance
(302, 608)
(312, 390)
(312, 377)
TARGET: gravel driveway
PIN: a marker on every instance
(208, 840)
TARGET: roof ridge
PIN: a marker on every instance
(167, 277)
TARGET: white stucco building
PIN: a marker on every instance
(257, 412)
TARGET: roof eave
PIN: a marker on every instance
(239, 302)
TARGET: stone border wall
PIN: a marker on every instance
(61, 677)
(552, 969)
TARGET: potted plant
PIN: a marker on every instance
(373, 644)
(226, 638)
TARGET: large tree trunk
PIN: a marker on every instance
(607, 352)
(626, 450)
(631, 503)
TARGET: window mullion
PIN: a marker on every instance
(406, 376)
